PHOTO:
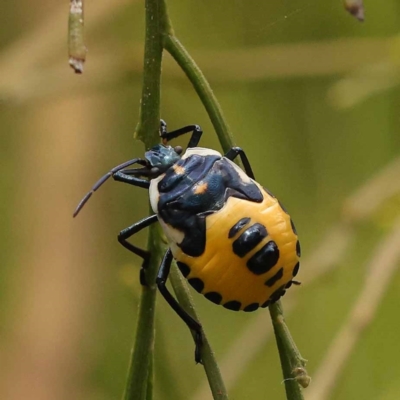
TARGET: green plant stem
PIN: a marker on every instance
(203, 89)
(148, 127)
(293, 364)
(211, 368)
(140, 375)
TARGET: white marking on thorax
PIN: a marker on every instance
(154, 194)
(201, 151)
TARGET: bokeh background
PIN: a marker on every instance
(313, 97)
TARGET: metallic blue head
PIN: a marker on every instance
(163, 157)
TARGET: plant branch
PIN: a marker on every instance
(293, 365)
(211, 368)
(140, 376)
(203, 89)
(149, 121)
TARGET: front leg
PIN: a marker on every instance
(126, 233)
(237, 151)
(121, 176)
(194, 129)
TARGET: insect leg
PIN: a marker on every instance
(126, 233)
(122, 176)
(194, 139)
(193, 325)
(237, 151)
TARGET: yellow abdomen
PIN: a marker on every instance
(240, 279)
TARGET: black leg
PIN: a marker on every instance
(193, 325)
(122, 176)
(237, 151)
(194, 139)
(126, 233)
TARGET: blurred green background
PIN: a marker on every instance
(310, 93)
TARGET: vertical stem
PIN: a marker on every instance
(293, 365)
(203, 89)
(211, 368)
(140, 376)
(149, 122)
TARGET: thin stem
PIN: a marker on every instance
(203, 89)
(149, 121)
(140, 376)
(211, 368)
(293, 364)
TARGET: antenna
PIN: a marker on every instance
(104, 178)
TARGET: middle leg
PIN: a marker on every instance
(126, 233)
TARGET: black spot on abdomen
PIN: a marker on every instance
(184, 268)
(251, 307)
(271, 281)
(197, 284)
(262, 261)
(298, 249)
(293, 227)
(249, 239)
(233, 305)
(215, 297)
(237, 227)
(296, 269)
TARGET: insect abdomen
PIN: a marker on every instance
(251, 255)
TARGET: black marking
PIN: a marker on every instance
(298, 249)
(296, 269)
(249, 239)
(283, 207)
(269, 193)
(184, 268)
(277, 294)
(293, 227)
(262, 261)
(289, 284)
(197, 284)
(266, 304)
(233, 305)
(194, 169)
(271, 281)
(185, 208)
(238, 226)
(215, 297)
(251, 307)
